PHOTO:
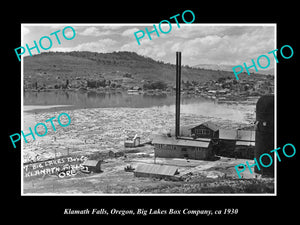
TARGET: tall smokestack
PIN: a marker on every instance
(178, 91)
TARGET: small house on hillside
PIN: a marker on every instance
(136, 88)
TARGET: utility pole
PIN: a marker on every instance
(178, 92)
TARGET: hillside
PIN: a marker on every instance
(129, 68)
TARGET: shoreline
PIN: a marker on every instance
(29, 112)
(29, 108)
(222, 98)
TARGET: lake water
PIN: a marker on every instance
(191, 105)
(81, 99)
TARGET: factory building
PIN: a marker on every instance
(204, 130)
(192, 142)
(236, 143)
(189, 148)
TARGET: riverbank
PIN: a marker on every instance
(217, 96)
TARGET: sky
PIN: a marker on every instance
(228, 44)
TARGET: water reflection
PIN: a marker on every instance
(92, 99)
(191, 105)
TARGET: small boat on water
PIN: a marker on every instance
(133, 92)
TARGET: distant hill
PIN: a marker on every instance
(223, 67)
(47, 68)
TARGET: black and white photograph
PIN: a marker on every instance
(150, 112)
(108, 111)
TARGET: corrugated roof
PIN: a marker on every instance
(90, 163)
(190, 126)
(156, 169)
(160, 139)
(246, 135)
(227, 134)
(245, 143)
(185, 130)
(210, 125)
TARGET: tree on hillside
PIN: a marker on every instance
(91, 83)
(155, 85)
(147, 86)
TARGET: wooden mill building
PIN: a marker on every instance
(170, 147)
(204, 130)
(192, 142)
(236, 143)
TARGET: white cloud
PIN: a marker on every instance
(233, 45)
(192, 31)
(199, 44)
(112, 27)
(25, 30)
(69, 33)
(94, 31)
(103, 45)
(149, 48)
(129, 32)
